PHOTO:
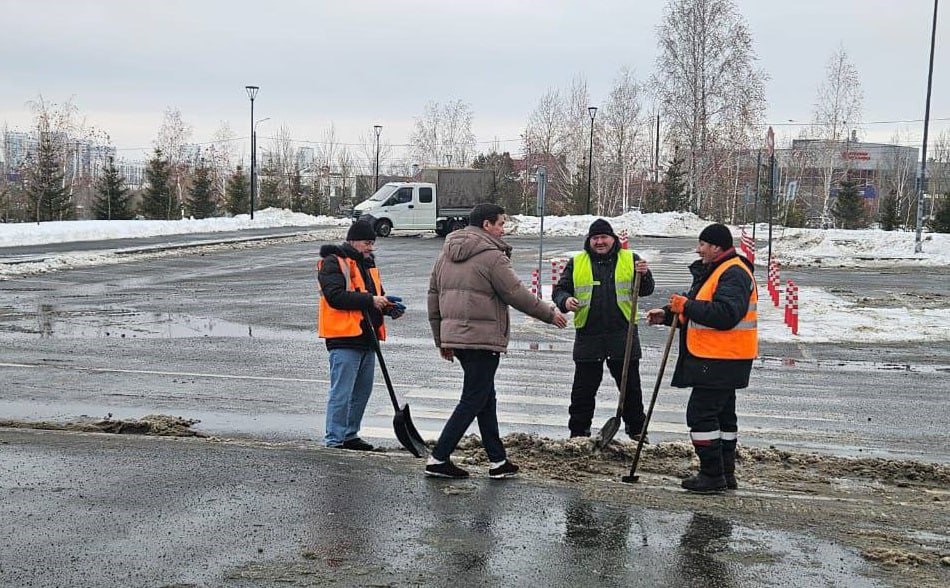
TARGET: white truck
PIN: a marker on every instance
(440, 202)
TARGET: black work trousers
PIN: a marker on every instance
(587, 378)
(712, 409)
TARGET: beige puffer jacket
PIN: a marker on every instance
(471, 287)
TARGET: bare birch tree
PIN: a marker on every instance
(622, 128)
(838, 108)
(443, 134)
(173, 137)
(708, 86)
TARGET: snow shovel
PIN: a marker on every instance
(406, 432)
(610, 428)
(633, 477)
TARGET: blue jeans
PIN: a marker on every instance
(351, 382)
(478, 401)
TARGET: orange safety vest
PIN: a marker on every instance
(739, 342)
(332, 322)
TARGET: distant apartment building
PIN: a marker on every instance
(83, 158)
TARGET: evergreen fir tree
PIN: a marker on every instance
(297, 196)
(200, 202)
(46, 191)
(507, 188)
(238, 193)
(112, 201)
(676, 196)
(940, 223)
(889, 214)
(849, 209)
(795, 214)
(270, 196)
(159, 201)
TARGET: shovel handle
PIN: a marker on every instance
(382, 362)
(656, 391)
(628, 346)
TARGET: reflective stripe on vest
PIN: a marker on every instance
(739, 342)
(583, 277)
(332, 322)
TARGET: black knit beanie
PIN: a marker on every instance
(717, 234)
(361, 230)
(600, 227)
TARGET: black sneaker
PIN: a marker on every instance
(505, 470)
(636, 439)
(446, 469)
(357, 444)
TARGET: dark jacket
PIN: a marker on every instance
(605, 333)
(333, 288)
(729, 304)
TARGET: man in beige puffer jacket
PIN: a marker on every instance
(471, 287)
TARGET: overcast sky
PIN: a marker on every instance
(362, 62)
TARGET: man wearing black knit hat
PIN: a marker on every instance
(595, 285)
(718, 341)
(351, 290)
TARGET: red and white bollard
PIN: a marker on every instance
(788, 303)
(535, 283)
(776, 282)
(793, 303)
(557, 268)
(747, 244)
(624, 240)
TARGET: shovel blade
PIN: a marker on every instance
(607, 432)
(407, 434)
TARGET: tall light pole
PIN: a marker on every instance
(922, 183)
(378, 129)
(252, 93)
(592, 110)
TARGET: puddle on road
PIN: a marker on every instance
(120, 323)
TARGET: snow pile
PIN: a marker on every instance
(663, 224)
(824, 317)
(843, 248)
(14, 234)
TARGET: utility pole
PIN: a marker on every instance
(922, 183)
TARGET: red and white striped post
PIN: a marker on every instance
(624, 240)
(776, 282)
(747, 244)
(788, 303)
(535, 283)
(557, 268)
(793, 313)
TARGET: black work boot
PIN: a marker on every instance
(710, 478)
(729, 463)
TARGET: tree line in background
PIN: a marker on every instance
(707, 91)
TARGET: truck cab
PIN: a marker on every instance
(400, 205)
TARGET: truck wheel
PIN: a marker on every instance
(384, 228)
(456, 225)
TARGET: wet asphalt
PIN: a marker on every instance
(106, 510)
(228, 338)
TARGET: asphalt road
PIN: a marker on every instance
(109, 510)
(229, 338)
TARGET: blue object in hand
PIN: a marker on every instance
(394, 299)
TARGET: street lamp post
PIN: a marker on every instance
(922, 183)
(252, 93)
(378, 129)
(592, 110)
